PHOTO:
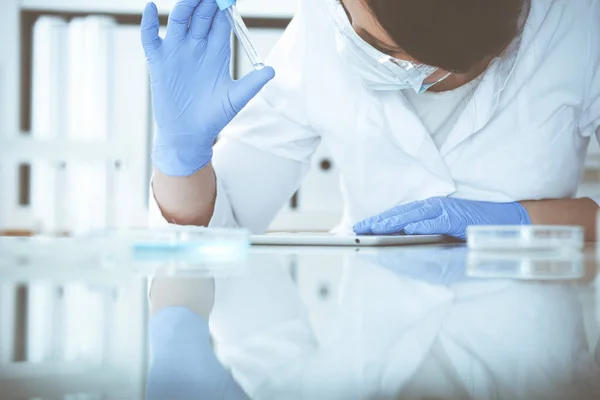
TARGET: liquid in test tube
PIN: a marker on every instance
(241, 31)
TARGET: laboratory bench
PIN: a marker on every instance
(413, 322)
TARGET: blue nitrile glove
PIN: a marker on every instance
(193, 94)
(442, 215)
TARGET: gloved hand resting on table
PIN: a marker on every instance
(193, 94)
(442, 215)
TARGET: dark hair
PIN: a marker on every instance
(455, 35)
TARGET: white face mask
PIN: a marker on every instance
(377, 70)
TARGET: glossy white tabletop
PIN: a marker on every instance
(304, 323)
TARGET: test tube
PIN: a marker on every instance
(241, 31)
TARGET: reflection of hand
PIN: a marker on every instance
(441, 266)
(184, 365)
(443, 216)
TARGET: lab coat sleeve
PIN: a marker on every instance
(253, 184)
(264, 153)
(276, 120)
(590, 118)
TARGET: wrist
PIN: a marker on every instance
(181, 154)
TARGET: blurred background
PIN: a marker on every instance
(76, 119)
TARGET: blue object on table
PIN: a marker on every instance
(442, 215)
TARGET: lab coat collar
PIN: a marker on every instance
(408, 133)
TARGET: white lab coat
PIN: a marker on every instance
(523, 135)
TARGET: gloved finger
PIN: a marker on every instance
(246, 88)
(427, 227)
(220, 32)
(397, 223)
(179, 19)
(150, 26)
(364, 227)
(202, 19)
(438, 226)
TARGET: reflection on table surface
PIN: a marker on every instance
(306, 323)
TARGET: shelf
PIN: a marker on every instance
(251, 8)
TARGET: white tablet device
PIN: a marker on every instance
(328, 239)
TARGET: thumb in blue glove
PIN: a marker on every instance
(193, 94)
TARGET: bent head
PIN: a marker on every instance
(456, 36)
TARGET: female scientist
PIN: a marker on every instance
(444, 113)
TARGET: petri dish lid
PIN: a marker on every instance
(524, 237)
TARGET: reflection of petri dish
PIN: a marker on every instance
(524, 237)
(526, 265)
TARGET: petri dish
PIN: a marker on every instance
(185, 247)
(114, 253)
(524, 237)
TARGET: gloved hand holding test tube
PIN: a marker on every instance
(241, 31)
(194, 95)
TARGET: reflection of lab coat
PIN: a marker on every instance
(396, 335)
(523, 135)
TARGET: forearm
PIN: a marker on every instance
(186, 200)
(581, 212)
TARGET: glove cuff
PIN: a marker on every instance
(180, 162)
(523, 215)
